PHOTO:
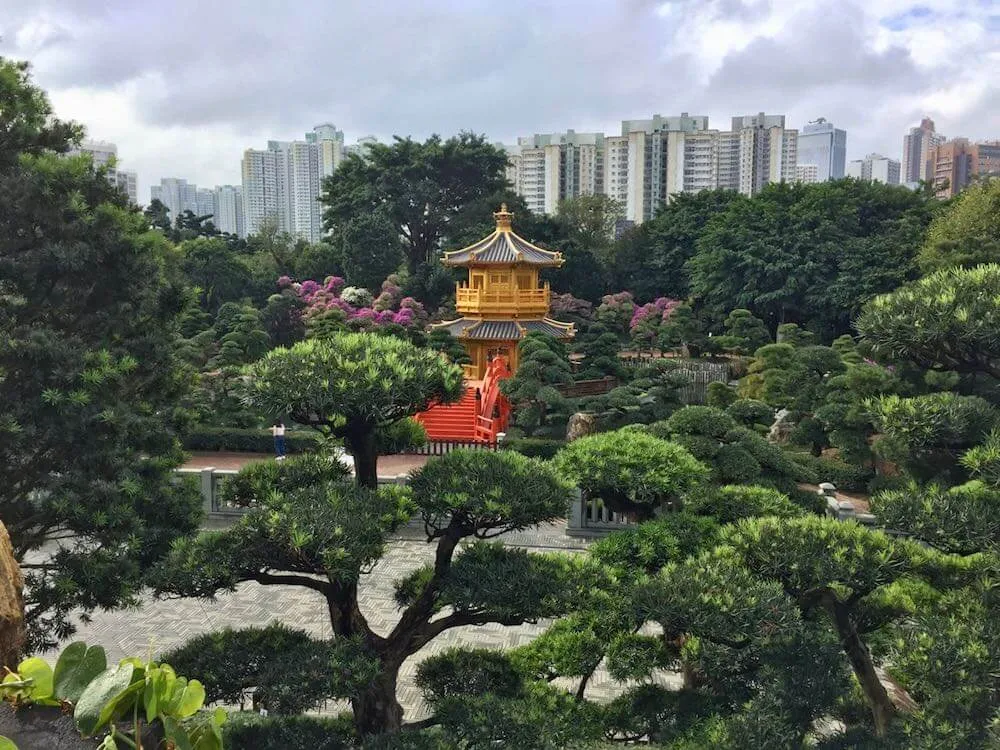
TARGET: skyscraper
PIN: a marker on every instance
(822, 144)
(229, 209)
(917, 145)
(285, 181)
(105, 154)
(768, 152)
(177, 195)
(876, 168)
(551, 167)
(954, 164)
(205, 203)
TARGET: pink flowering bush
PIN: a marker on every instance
(647, 320)
(333, 306)
(615, 312)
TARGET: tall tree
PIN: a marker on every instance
(967, 232)
(422, 187)
(371, 250)
(87, 441)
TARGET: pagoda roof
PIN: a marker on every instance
(503, 247)
(505, 330)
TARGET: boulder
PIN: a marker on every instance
(782, 427)
(11, 603)
(580, 425)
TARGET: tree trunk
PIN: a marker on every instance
(363, 449)
(861, 662)
(376, 710)
(11, 604)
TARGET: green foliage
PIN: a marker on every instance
(441, 340)
(945, 321)
(733, 503)
(371, 249)
(487, 492)
(251, 731)
(750, 412)
(542, 365)
(684, 332)
(101, 697)
(649, 546)
(967, 232)
(926, 434)
(845, 476)
(240, 440)
(811, 253)
(630, 471)
(964, 519)
(351, 386)
(983, 461)
(218, 272)
(422, 188)
(90, 377)
(289, 671)
(468, 672)
(651, 395)
(720, 395)
(734, 454)
(745, 333)
(534, 447)
(600, 346)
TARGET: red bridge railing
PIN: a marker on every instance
(494, 408)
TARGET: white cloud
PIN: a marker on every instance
(184, 87)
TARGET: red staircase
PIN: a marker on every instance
(472, 419)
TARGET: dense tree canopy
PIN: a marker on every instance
(967, 233)
(421, 187)
(88, 374)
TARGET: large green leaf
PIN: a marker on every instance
(98, 701)
(40, 673)
(78, 664)
(6, 744)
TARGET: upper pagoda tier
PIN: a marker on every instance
(503, 248)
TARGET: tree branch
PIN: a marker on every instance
(272, 579)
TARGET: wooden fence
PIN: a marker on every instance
(588, 387)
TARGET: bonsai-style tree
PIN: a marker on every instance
(351, 386)
(542, 365)
(837, 568)
(630, 471)
(745, 333)
(945, 321)
(325, 535)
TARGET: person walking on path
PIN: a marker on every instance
(278, 430)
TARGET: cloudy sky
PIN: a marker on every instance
(184, 86)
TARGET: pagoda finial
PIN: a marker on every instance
(503, 218)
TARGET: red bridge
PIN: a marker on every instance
(478, 416)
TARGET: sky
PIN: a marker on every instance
(184, 86)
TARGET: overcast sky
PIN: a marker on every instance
(184, 86)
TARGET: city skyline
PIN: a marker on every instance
(191, 96)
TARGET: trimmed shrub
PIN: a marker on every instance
(288, 670)
(534, 447)
(840, 473)
(750, 412)
(250, 731)
(240, 440)
(258, 479)
(401, 436)
(468, 671)
(719, 394)
(733, 503)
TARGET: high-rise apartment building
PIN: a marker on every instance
(177, 195)
(917, 145)
(205, 203)
(105, 154)
(820, 143)
(285, 181)
(229, 209)
(547, 168)
(653, 160)
(876, 168)
(807, 173)
(954, 164)
(768, 152)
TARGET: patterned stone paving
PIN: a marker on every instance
(160, 625)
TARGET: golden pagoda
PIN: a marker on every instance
(503, 299)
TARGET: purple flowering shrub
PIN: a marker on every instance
(333, 303)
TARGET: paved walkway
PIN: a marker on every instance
(160, 625)
(388, 466)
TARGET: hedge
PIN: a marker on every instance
(534, 447)
(241, 440)
(250, 731)
(843, 475)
